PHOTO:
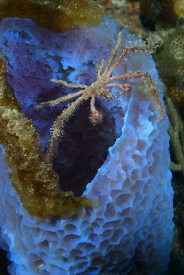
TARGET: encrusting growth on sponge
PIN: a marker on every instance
(32, 176)
(98, 89)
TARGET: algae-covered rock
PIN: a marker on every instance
(31, 175)
(56, 15)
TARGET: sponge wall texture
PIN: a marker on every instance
(131, 230)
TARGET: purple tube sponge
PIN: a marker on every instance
(122, 162)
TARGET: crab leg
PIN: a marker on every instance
(113, 53)
(57, 128)
(125, 52)
(150, 87)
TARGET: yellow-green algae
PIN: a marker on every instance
(32, 176)
(55, 15)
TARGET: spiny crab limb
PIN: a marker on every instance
(58, 100)
(69, 85)
(57, 128)
(153, 92)
(100, 68)
(96, 116)
(108, 70)
(99, 89)
(146, 48)
(126, 88)
(113, 54)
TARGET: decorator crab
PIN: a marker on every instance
(99, 89)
